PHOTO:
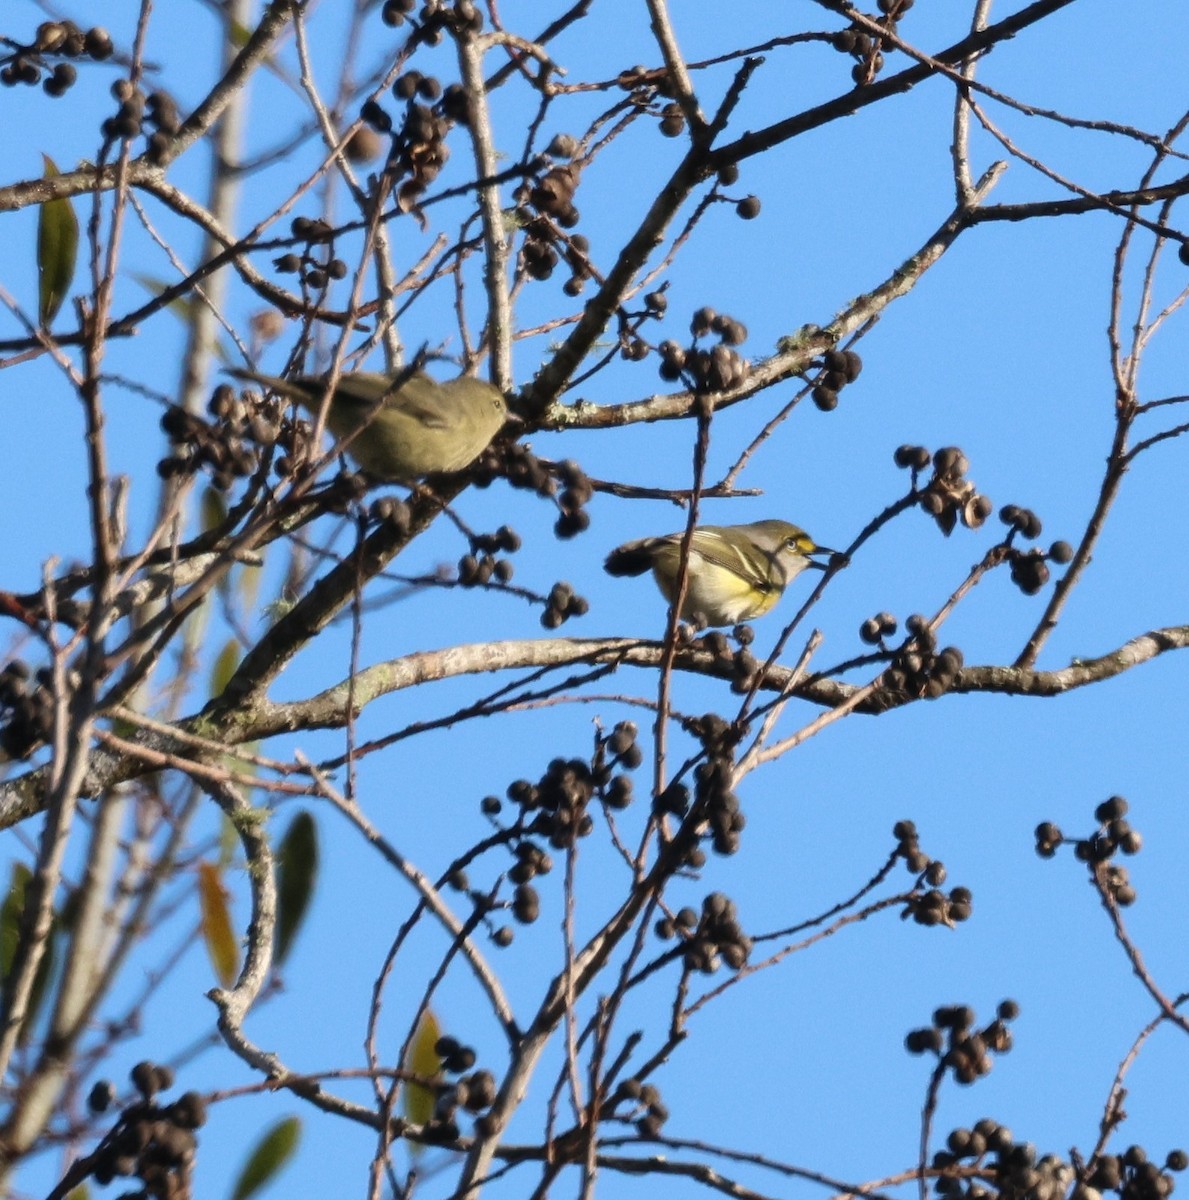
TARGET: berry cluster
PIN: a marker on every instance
(875, 630)
(646, 88)
(54, 40)
(152, 1141)
(1029, 571)
(26, 709)
(933, 907)
(158, 109)
(949, 495)
(1133, 1175)
(1011, 1170)
(556, 808)
(391, 510)
(632, 347)
(839, 367)
(435, 18)
(572, 500)
(418, 151)
(1014, 1171)
(523, 469)
(867, 50)
(620, 749)
(315, 267)
(715, 801)
(558, 800)
(707, 370)
(919, 669)
(553, 194)
(1113, 835)
(474, 1092)
(648, 1110)
(542, 206)
(717, 938)
(743, 666)
(672, 122)
(231, 444)
(481, 565)
(962, 1049)
(531, 861)
(561, 604)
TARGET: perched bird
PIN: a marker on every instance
(736, 572)
(415, 426)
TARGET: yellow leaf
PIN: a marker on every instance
(57, 250)
(423, 1059)
(213, 509)
(271, 1153)
(224, 667)
(248, 584)
(221, 943)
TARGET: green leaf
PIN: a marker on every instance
(11, 915)
(270, 1155)
(182, 307)
(197, 622)
(224, 667)
(423, 1059)
(57, 250)
(221, 943)
(213, 509)
(248, 584)
(297, 874)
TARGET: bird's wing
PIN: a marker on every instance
(426, 403)
(359, 391)
(714, 548)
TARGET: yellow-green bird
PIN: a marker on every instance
(415, 426)
(736, 572)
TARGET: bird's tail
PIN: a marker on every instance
(290, 389)
(632, 558)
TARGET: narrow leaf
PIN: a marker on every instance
(224, 667)
(57, 250)
(298, 872)
(248, 584)
(182, 307)
(424, 1060)
(213, 509)
(10, 917)
(220, 940)
(12, 913)
(268, 1157)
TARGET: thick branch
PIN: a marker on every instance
(23, 796)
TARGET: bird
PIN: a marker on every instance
(736, 572)
(409, 424)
